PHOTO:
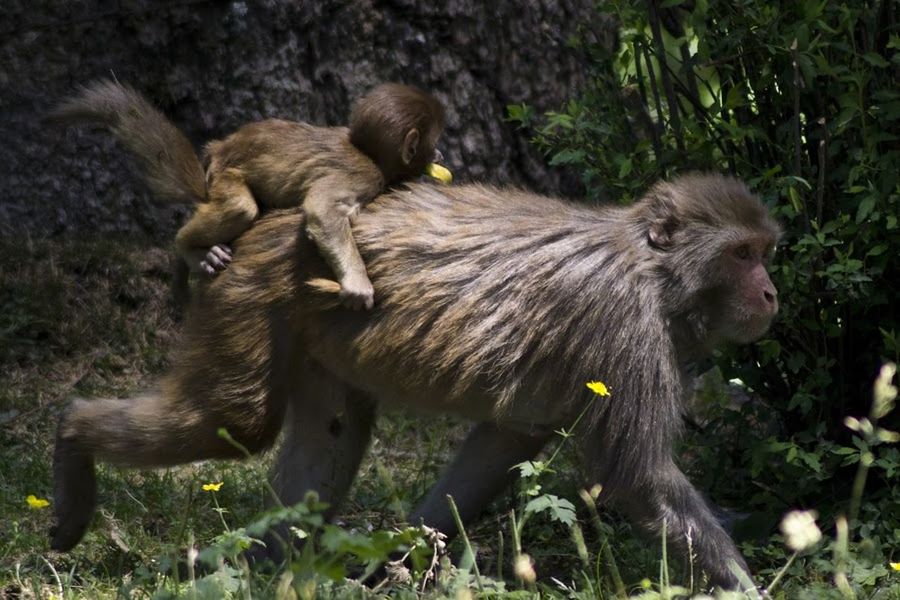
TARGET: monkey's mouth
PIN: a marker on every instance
(751, 327)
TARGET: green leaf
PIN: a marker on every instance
(865, 208)
(735, 99)
(875, 60)
(560, 509)
(529, 468)
(795, 199)
(567, 157)
(521, 113)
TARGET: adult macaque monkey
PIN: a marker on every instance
(332, 171)
(495, 305)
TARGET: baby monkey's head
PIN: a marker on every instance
(397, 126)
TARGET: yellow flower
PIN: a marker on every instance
(895, 566)
(598, 387)
(212, 487)
(36, 503)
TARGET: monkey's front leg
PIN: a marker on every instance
(328, 225)
(670, 498)
(327, 431)
(480, 471)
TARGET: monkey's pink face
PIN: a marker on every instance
(753, 300)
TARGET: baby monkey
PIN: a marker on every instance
(330, 171)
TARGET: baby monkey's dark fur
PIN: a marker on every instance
(272, 164)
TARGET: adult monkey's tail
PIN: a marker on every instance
(166, 158)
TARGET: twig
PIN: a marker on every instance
(671, 99)
(639, 72)
(499, 554)
(651, 75)
(462, 532)
(516, 535)
(778, 577)
(700, 110)
(820, 185)
(721, 61)
(664, 563)
(670, 21)
(605, 550)
(59, 586)
(797, 82)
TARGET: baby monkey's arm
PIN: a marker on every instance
(329, 205)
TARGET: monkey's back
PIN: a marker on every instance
(484, 298)
(281, 159)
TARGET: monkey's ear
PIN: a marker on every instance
(410, 145)
(660, 233)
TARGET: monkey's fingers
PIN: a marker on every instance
(358, 301)
(217, 259)
(221, 255)
(357, 292)
(222, 249)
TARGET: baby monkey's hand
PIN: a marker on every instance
(357, 292)
(216, 260)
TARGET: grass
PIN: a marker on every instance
(91, 318)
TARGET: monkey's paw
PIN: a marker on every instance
(357, 293)
(216, 260)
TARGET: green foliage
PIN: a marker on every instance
(799, 99)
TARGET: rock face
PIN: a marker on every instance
(212, 66)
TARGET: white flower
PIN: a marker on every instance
(524, 568)
(800, 529)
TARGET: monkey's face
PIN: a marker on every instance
(751, 301)
(713, 241)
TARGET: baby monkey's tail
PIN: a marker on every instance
(166, 158)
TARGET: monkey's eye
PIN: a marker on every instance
(743, 252)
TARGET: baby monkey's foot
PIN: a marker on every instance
(357, 293)
(216, 260)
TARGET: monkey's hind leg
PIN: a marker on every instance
(327, 430)
(229, 211)
(155, 429)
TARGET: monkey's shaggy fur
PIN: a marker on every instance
(497, 305)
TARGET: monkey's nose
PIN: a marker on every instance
(438, 156)
(771, 297)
